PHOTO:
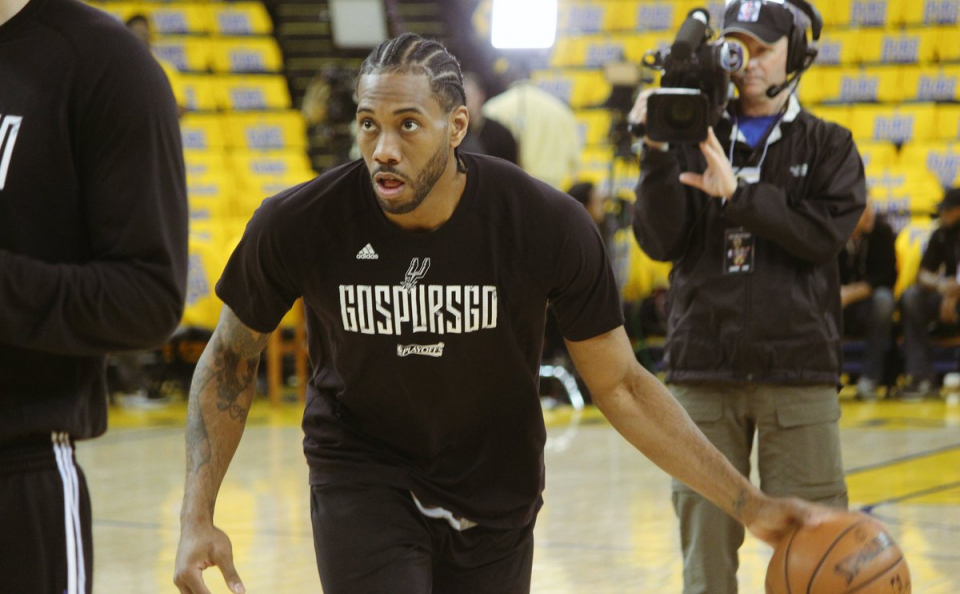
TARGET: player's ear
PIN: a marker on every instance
(459, 123)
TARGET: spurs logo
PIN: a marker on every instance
(9, 128)
(415, 272)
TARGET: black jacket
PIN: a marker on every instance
(780, 323)
(93, 213)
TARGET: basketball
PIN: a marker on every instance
(850, 552)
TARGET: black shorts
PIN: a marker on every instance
(374, 539)
(46, 544)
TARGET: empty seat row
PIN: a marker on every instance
(181, 18)
(597, 16)
(246, 131)
(221, 54)
(918, 45)
(203, 92)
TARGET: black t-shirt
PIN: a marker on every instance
(943, 249)
(93, 213)
(426, 346)
(871, 259)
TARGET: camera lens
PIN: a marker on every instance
(681, 113)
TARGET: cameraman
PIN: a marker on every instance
(753, 220)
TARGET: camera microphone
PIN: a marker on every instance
(691, 34)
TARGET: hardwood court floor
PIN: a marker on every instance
(607, 526)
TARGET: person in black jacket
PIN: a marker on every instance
(93, 259)
(934, 301)
(868, 271)
(486, 136)
(753, 220)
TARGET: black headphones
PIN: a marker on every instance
(800, 54)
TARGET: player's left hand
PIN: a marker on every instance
(777, 516)
(718, 179)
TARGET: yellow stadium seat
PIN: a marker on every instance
(266, 130)
(595, 164)
(593, 126)
(120, 10)
(642, 43)
(656, 15)
(578, 88)
(188, 54)
(910, 243)
(931, 83)
(240, 18)
(179, 18)
(568, 51)
(948, 122)
(941, 158)
(834, 12)
(247, 92)
(643, 275)
(202, 132)
(205, 162)
(859, 85)
(948, 44)
(206, 263)
(211, 197)
(894, 123)
(931, 12)
(907, 46)
(838, 47)
(878, 154)
(588, 17)
(215, 231)
(810, 90)
(198, 92)
(905, 189)
(237, 55)
(271, 163)
(866, 13)
(838, 114)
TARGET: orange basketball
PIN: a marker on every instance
(850, 552)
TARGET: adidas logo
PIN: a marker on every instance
(367, 253)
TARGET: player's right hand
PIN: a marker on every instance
(202, 547)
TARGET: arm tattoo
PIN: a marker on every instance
(198, 440)
(739, 504)
(236, 359)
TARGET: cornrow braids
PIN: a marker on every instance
(411, 53)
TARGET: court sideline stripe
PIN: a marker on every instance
(907, 458)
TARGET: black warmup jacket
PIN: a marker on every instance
(93, 217)
(781, 323)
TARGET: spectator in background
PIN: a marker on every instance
(868, 271)
(931, 304)
(139, 25)
(93, 259)
(545, 129)
(486, 136)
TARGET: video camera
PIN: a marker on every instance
(695, 81)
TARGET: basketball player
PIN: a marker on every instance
(425, 287)
(93, 258)
(753, 220)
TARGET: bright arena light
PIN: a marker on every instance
(524, 24)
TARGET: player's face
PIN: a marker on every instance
(405, 137)
(767, 67)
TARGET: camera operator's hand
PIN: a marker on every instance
(638, 115)
(718, 180)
